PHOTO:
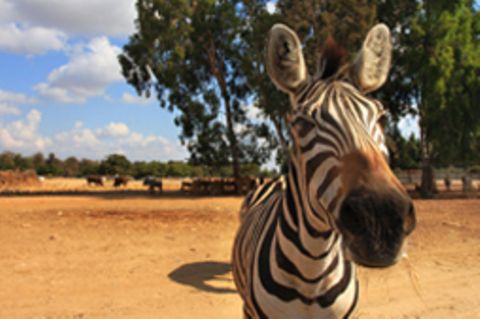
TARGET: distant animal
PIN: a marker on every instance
(467, 184)
(120, 181)
(153, 183)
(340, 204)
(95, 180)
(187, 186)
(448, 183)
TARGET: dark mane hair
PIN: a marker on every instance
(333, 56)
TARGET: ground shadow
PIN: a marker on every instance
(199, 273)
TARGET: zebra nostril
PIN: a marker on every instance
(410, 220)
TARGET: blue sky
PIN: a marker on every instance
(61, 89)
(60, 84)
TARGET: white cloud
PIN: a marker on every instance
(6, 109)
(115, 130)
(137, 100)
(17, 98)
(83, 142)
(115, 138)
(91, 69)
(8, 101)
(30, 41)
(74, 17)
(7, 12)
(22, 135)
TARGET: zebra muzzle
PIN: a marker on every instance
(374, 226)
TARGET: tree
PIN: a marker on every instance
(115, 164)
(404, 153)
(7, 161)
(442, 63)
(88, 167)
(457, 56)
(53, 165)
(190, 53)
(38, 162)
(71, 167)
(396, 94)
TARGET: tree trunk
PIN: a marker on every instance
(219, 75)
(427, 187)
(232, 138)
(281, 137)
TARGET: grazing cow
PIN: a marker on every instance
(120, 181)
(153, 183)
(95, 180)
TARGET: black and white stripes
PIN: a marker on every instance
(284, 265)
(292, 256)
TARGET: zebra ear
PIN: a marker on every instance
(284, 59)
(373, 62)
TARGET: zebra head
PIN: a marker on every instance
(339, 146)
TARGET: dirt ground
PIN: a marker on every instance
(140, 256)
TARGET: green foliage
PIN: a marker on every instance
(88, 167)
(191, 55)
(115, 164)
(404, 153)
(435, 68)
(7, 161)
(71, 166)
(118, 164)
(53, 166)
(442, 64)
(397, 95)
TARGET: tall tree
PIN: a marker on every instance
(115, 164)
(71, 167)
(396, 94)
(457, 56)
(53, 165)
(190, 52)
(442, 51)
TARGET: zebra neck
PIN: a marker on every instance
(311, 227)
(304, 263)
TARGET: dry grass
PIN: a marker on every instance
(61, 184)
(13, 179)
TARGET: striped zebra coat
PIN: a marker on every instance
(339, 205)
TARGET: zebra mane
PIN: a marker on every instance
(332, 58)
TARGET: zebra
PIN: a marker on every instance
(302, 234)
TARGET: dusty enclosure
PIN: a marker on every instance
(135, 256)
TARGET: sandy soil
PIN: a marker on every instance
(108, 256)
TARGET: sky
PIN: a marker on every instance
(61, 89)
